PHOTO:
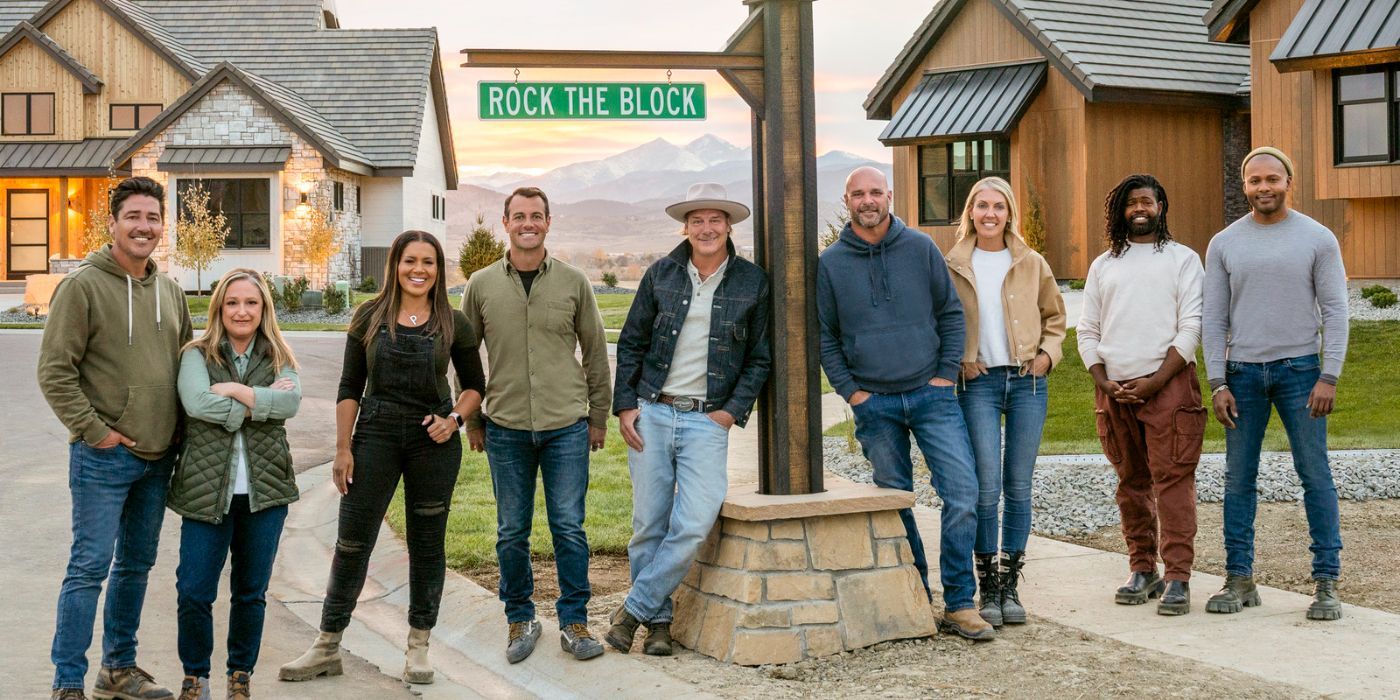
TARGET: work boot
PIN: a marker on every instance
(658, 641)
(1176, 600)
(416, 668)
(1139, 587)
(577, 640)
(988, 589)
(322, 659)
(67, 694)
(968, 624)
(194, 688)
(624, 627)
(1238, 593)
(1011, 610)
(1325, 605)
(239, 685)
(130, 683)
(520, 641)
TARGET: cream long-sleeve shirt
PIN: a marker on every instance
(1139, 305)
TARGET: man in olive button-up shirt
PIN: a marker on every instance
(544, 410)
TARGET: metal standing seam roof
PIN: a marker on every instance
(1324, 30)
(25, 30)
(977, 101)
(223, 158)
(86, 157)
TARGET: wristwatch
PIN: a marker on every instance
(457, 417)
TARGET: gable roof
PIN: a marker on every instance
(140, 23)
(24, 30)
(1228, 20)
(337, 150)
(1339, 33)
(967, 102)
(1108, 49)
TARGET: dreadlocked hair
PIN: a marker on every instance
(1116, 228)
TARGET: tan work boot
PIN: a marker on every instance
(322, 659)
(67, 694)
(194, 688)
(239, 683)
(968, 624)
(130, 683)
(416, 668)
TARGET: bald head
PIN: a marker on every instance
(868, 199)
(869, 176)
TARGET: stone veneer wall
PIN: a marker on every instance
(1236, 147)
(785, 590)
(227, 116)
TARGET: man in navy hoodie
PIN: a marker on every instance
(892, 338)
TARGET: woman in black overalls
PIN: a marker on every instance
(395, 393)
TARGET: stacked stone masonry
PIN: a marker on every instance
(785, 590)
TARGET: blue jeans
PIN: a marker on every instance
(679, 481)
(561, 458)
(252, 538)
(883, 424)
(1284, 385)
(118, 506)
(1023, 400)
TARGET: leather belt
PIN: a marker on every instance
(684, 404)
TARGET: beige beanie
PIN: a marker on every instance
(1268, 151)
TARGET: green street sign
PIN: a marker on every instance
(666, 101)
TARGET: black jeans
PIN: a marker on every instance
(390, 441)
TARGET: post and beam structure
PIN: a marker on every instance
(768, 62)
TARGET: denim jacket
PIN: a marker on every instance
(739, 356)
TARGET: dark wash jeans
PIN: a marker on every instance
(252, 540)
(561, 458)
(118, 507)
(390, 441)
(1283, 385)
(932, 414)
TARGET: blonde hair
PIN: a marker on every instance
(270, 333)
(1000, 186)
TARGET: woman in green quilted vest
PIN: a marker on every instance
(238, 384)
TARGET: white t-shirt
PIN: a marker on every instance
(989, 270)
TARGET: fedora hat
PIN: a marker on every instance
(708, 195)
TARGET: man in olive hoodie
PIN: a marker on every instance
(107, 366)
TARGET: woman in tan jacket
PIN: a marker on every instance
(1015, 324)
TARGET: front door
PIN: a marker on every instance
(27, 233)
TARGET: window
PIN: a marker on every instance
(338, 195)
(357, 199)
(1366, 115)
(132, 117)
(947, 172)
(245, 204)
(27, 113)
(439, 208)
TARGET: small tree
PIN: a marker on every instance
(320, 241)
(96, 232)
(1033, 228)
(199, 232)
(833, 229)
(609, 279)
(480, 249)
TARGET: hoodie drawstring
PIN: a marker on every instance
(157, 286)
(128, 310)
(884, 274)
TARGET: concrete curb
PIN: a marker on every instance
(467, 645)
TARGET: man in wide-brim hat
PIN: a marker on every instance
(691, 361)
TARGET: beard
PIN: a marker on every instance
(1149, 226)
(1268, 208)
(870, 218)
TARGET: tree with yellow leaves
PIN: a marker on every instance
(199, 232)
(320, 241)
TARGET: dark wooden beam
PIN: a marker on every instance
(676, 60)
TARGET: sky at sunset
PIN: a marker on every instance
(853, 42)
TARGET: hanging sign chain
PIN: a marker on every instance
(517, 76)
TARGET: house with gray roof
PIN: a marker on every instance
(1064, 98)
(270, 105)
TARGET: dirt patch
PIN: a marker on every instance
(606, 575)
(1370, 558)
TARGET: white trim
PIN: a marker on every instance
(262, 260)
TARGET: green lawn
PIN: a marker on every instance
(614, 308)
(1365, 417)
(471, 527)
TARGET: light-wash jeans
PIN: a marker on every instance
(679, 481)
(1004, 475)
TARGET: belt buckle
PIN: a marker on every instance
(684, 404)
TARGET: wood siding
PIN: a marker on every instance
(29, 68)
(132, 72)
(1293, 112)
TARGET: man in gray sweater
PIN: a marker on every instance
(1275, 293)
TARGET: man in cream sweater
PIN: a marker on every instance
(1138, 335)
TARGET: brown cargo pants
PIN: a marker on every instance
(1155, 446)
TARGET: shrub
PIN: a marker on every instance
(292, 291)
(333, 301)
(480, 249)
(609, 279)
(1368, 292)
(1383, 299)
(368, 285)
(1076, 284)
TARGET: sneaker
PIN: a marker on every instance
(130, 683)
(1238, 593)
(577, 640)
(624, 628)
(1176, 600)
(968, 624)
(238, 685)
(194, 688)
(521, 641)
(67, 694)
(658, 641)
(1325, 605)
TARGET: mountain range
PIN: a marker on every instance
(617, 203)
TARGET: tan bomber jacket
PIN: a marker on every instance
(1030, 297)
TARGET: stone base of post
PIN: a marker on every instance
(786, 578)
